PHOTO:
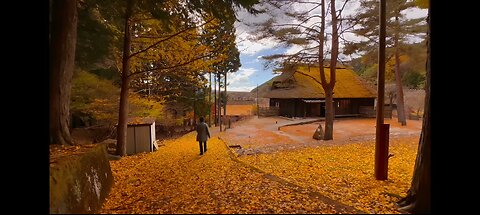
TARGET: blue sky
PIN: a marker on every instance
(252, 71)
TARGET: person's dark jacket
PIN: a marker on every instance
(202, 132)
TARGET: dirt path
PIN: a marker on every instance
(176, 179)
(256, 136)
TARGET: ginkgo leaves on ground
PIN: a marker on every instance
(176, 179)
(346, 173)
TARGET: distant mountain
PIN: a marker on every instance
(238, 97)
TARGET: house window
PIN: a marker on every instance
(277, 104)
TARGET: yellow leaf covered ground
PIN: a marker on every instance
(346, 173)
(239, 109)
(175, 179)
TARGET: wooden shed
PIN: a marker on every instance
(141, 135)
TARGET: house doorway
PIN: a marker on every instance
(313, 110)
(322, 109)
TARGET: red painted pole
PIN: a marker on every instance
(381, 138)
(381, 153)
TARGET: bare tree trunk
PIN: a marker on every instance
(398, 79)
(329, 114)
(219, 105)
(330, 108)
(62, 61)
(225, 101)
(381, 143)
(209, 99)
(418, 196)
(226, 97)
(123, 109)
(321, 68)
(194, 107)
(215, 102)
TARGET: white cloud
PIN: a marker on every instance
(248, 27)
(293, 49)
(249, 47)
(413, 13)
(241, 76)
(240, 80)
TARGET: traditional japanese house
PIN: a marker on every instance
(298, 93)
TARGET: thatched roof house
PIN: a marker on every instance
(297, 94)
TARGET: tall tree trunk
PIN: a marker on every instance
(226, 97)
(321, 68)
(398, 79)
(62, 61)
(209, 99)
(225, 100)
(215, 102)
(381, 144)
(329, 114)
(123, 109)
(195, 108)
(330, 108)
(418, 196)
(219, 104)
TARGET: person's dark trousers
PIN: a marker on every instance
(203, 147)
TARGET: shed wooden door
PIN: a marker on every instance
(130, 148)
(142, 139)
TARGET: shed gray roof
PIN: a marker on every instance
(141, 120)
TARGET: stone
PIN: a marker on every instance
(318, 135)
(81, 182)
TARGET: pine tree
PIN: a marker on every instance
(399, 31)
(63, 38)
(308, 31)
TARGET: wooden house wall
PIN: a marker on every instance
(351, 106)
(287, 107)
(298, 108)
(313, 109)
(343, 106)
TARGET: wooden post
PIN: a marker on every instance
(381, 155)
(381, 139)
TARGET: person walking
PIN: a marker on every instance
(202, 135)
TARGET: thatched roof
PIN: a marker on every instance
(299, 84)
